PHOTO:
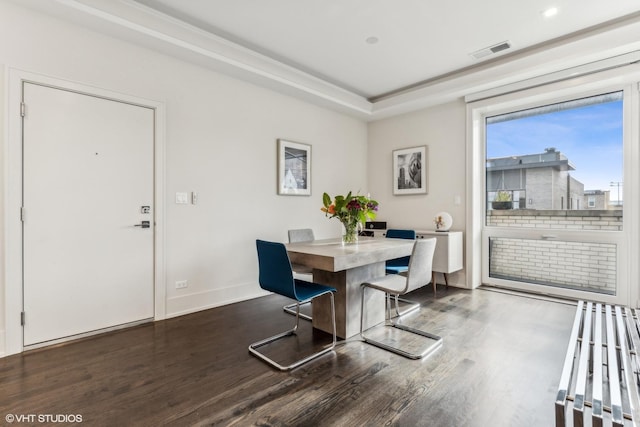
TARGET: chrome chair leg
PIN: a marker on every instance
(253, 347)
(291, 309)
(427, 351)
(412, 306)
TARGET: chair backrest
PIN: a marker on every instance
(393, 233)
(421, 264)
(275, 269)
(301, 235)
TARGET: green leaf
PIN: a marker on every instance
(326, 200)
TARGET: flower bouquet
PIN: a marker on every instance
(352, 211)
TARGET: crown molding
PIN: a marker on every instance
(139, 24)
(134, 22)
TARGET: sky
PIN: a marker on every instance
(590, 137)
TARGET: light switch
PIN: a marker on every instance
(182, 198)
(194, 198)
(457, 200)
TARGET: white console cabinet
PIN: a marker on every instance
(448, 255)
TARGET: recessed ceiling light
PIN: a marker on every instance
(372, 40)
(548, 13)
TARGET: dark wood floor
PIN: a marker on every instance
(499, 366)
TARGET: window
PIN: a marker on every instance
(556, 152)
(551, 154)
(544, 172)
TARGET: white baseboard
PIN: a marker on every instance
(3, 352)
(191, 303)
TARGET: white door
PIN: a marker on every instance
(88, 176)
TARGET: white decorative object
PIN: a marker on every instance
(443, 221)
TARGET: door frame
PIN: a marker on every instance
(13, 188)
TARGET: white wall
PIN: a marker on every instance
(2, 235)
(442, 129)
(220, 141)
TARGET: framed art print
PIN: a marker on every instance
(410, 171)
(294, 168)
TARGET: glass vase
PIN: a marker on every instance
(351, 230)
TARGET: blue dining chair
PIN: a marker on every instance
(300, 235)
(395, 285)
(398, 265)
(276, 275)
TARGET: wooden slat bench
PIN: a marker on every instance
(600, 377)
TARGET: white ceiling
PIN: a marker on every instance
(418, 40)
(317, 50)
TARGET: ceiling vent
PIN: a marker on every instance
(491, 50)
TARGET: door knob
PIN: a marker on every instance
(144, 224)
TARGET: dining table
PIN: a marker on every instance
(345, 267)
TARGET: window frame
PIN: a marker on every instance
(624, 79)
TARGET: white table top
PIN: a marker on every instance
(332, 255)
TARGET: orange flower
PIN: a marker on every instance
(330, 210)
